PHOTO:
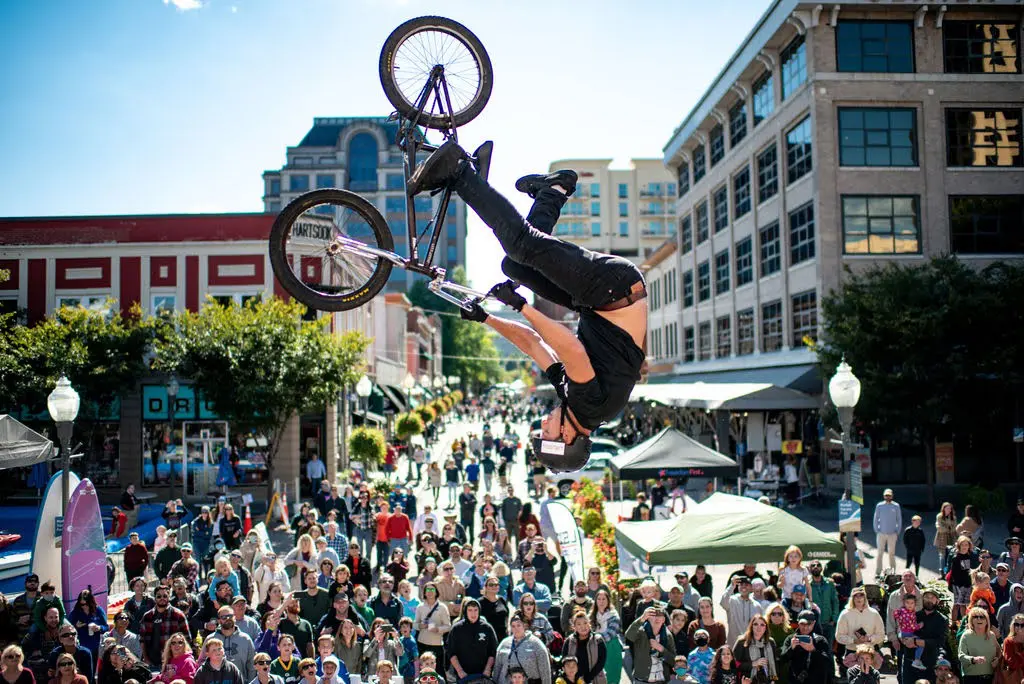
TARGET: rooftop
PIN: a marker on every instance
(326, 130)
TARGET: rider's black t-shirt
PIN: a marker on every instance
(616, 361)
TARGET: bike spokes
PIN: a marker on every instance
(415, 59)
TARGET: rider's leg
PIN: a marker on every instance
(543, 216)
(590, 278)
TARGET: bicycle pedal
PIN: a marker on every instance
(394, 116)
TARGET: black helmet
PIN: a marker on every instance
(560, 457)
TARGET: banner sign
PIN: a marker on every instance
(849, 516)
(856, 482)
(570, 539)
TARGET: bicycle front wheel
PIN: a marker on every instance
(414, 49)
(321, 250)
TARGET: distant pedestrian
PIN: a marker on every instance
(945, 534)
(888, 525)
(914, 541)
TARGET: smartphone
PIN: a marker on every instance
(804, 638)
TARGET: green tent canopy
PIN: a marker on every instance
(726, 529)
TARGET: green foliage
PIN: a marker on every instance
(367, 446)
(468, 347)
(439, 407)
(590, 522)
(381, 488)
(407, 425)
(259, 364)
(102, 356)
(426, 413)
(986, 500)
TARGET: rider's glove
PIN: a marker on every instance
(506, 294)
(476, 314)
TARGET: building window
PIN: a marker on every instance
(987, 224)
(704, 341)
(623, 190)
(423, 205)
(973, 47)
(684, 178)
(623, 228)
(623, 208)
(771, 326)
(162, 304)
(655, 295)
(875, 46)
(794, 66)
(595, 208)
(275, 187)
(702, 222)
(699, 162)
(717, 143)
(673, 340)
(703, 281)
(877, 137)
(687, 289)
(394, 181)
(767, 174)
(983, 137)
(362, 163)
(688, 344)
(744, 332)
(801, 234)
(394, 205)
(722, 272)
(798, 150)
(741, 192)
(721, 206)
(595, 189)
(723, 335)
(881, 225)
(670, 189)
(274, 207)
(805, 317)
(744, 261)
(298, 182)
(764, 97)
(324, 180)
(595, 229)
(686, 234)
(771, 257)
(737, 123)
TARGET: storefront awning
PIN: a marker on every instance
(803, 377)
(731, 396)
(395, 396)
(369, 417)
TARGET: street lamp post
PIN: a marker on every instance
(363, 389)
(408, 383)
(63, 404)
(172, 406)
(844, 389)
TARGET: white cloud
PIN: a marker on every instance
(185, 5)
(234, 9)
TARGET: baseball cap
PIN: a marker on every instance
(798, 588)
(681, 573)
(942, 662)
(238, 599)
(746, 580)
(1002, 566)
(887, 492)
(238, 554)
(186, 547)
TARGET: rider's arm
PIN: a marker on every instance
(566, 346)
(527, 340)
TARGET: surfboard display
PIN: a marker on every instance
(83, 549)
(46, 558)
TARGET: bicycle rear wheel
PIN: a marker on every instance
(416, 47)
(319, 250)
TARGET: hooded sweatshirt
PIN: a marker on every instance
(1006, 612)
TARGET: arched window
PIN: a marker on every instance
(362, 163)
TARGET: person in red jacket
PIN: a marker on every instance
(399, 531)
(118, 522)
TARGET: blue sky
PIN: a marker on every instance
(164, 106)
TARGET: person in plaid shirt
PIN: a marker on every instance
(364, 523)
(335, 541)
(159, 624)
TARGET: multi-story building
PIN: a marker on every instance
(846, 135)
(360, 154)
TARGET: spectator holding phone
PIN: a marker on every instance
(808, 654)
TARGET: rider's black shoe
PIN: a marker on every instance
(483, 159)
(438, 170)
(536, 182)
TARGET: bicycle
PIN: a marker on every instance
(330, 248)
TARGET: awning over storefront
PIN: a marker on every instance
(21, 446)
(804, 377)
(362, 417)
(395, 396)
(727, 396)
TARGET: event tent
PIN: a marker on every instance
(725, 529)
(670, 453)
(21, 446)
(725, 396)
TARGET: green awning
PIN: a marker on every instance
(726, 529)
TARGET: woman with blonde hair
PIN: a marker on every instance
(67, 671)
(13, 670)
(945, 534)
(858, 624)
(303, 557)
(963, 559)
(757, 653)
(177, 661)
(779, 628)
(792, 573)
(978, 649)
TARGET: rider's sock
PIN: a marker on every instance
(560, 189)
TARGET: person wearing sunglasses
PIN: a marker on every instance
(307, 671)
(216, 668)
(262, 663)
(123, 636)
(12, 669)
(118, 666)
(70, 647)
(66, 672)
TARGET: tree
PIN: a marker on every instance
(935, 345)
(259, 364)
(468, 347)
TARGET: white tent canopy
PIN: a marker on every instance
(21, 446)
(728, 396)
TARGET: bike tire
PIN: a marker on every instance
(295, 286)
(394, 92)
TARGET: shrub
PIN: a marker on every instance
(591, 521)
(986, 500)
(407, 425)
(367, 446)
(381, 488)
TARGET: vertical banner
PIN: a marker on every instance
(570, 539)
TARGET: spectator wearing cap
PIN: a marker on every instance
(123, 636)
(136, 556)
(914, 542)
(675, 603)
(798, 602)
(21, 607)
(167, 556)
(739, 606)
(186, 568)
(1001, 584)
(202, 533)
(1014, 559)
(690, 595)
(244, 576)
(244, 622)
(944, 672)
(757, 588)
(530, 585)
(888, 524)
(931, 635)
(807, 653)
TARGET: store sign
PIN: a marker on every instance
(155, 404)
(944, 457)
(792, 446)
